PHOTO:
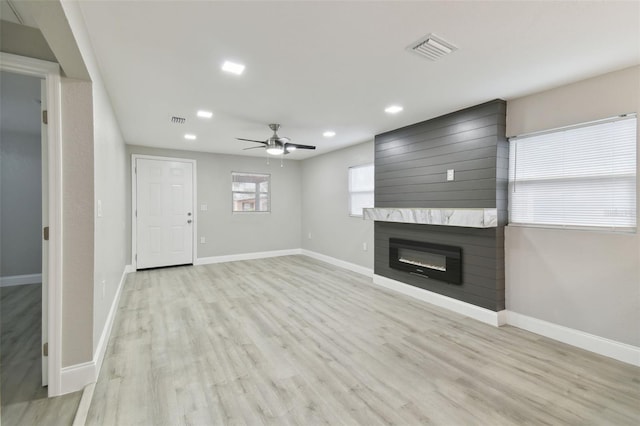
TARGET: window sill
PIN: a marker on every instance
(246, 213)
(602, 229)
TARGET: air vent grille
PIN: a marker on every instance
(178, 120)
(432, 47)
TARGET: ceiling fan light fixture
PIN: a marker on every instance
(276, 145)
(329, 134)
(275, 150)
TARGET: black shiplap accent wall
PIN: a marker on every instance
(411, 166)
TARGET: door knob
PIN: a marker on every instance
(189, 221)
(189, 214)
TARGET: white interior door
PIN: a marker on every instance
(45, 242)
(164, 213)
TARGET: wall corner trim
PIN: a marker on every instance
(338, 262)
(602, 346)
(245, 256)
(20, 280)
(476, 312)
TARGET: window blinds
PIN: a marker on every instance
(573, 177)
(361, 188)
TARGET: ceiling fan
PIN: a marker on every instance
(276, 145)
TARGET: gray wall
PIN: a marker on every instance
(20, 203)
(110, 239)
(227, 233)
(585, 280)
(325, 207)
(411, 166)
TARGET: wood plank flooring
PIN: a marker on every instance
(24, 400)
(292, 340)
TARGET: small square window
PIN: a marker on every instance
(250, 192)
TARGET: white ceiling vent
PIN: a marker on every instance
(432, 47)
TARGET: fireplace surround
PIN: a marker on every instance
(416, 200)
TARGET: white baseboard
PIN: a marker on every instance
(472, 311)
(337, 262)
(76, 377)
(129, 268)
(20, 280)
(590, 342)
(82, 412)
(245, 256)
(101, 349)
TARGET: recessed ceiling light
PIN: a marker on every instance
(393, 109)
(190, 137)
(329, 134)
(233, 68)
(205, 114)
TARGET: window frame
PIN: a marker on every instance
(350, 192)
(258, 192)
(512, 183)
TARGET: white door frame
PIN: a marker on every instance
(134, 200)
(51, 73)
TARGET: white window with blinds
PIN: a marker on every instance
(250, 192)
(361, 184)
(579, 176)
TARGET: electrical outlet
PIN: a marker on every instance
(104, 285)
(99, 208)
(309, 235)
(202, 240)
(203, 207)
(450, 174)
(364, 246)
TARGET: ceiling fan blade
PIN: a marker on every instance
(298, 146)
(252, 140)
(253, 147)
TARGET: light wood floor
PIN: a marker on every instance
(292, 340)
(24, 400)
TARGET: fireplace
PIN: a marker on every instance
(435, 261)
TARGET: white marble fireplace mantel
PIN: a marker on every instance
(470, 218)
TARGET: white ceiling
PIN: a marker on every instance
(315, 66)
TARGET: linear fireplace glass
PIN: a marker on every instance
(434, 261)
(423, 259)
